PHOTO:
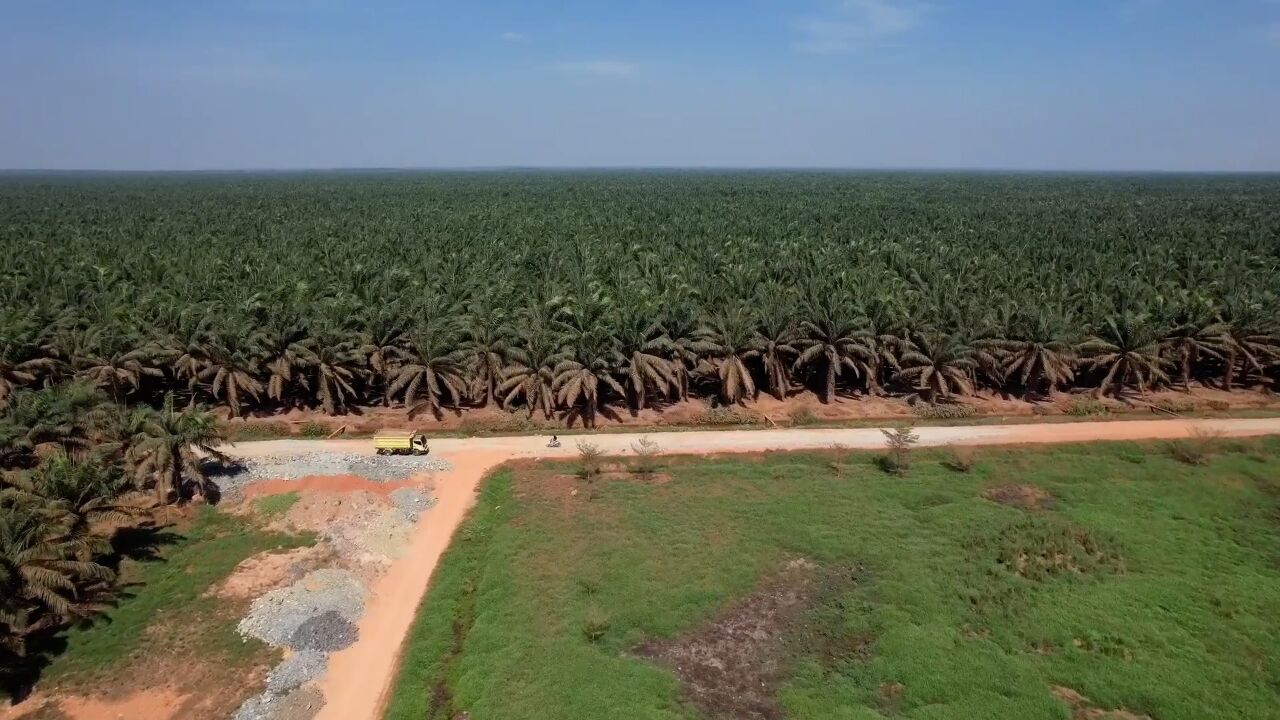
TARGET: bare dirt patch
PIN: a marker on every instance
(1082, 708)
(734, 666)
(268, 571)
(324, 484)
(1027, 497)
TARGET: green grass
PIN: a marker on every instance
(164, 611)
(1175, 612)
(273, 506)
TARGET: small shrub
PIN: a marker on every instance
(595, 624)
(1088, 407)
(1198, 449)
(1040, 548)
(1176, 406)
(961, 458)
(804, 416)
(899, 442)
(508, 423)
(590, 457)
(1133, 457)
(588, 586)
(646, 451)
(948, 411)
(723, 416)
(248, 432)
(313, 430)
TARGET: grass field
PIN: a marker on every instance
(165, 617)
(1100, 578)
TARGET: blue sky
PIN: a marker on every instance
(1022, 84)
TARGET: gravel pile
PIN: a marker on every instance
(378, 468)
(411, 502)
(325, 632)
(276, 616)
(298, 669)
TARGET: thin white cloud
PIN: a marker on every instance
(514, 37)
(852, 25)
(598, 68)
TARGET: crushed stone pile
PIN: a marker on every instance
(411, 501)
(297, 670)
(276, 616)
(325, 632)
(231, 481)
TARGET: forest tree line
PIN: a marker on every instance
(566, 293)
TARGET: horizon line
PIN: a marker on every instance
(624, 168)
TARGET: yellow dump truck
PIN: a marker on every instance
(400, 442)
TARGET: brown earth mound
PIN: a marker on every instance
(1027, 497)
(1083, 709)
(734, 666)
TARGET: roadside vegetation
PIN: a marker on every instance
(1113, 580)
(86, 485)
(582, 296)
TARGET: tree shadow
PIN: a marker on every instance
(20, 673)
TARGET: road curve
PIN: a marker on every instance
(359, 678)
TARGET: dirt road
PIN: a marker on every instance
(359, 678)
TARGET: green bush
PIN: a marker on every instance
(1198, 449)
(248, 432)
(947, 411)
(314, 430)
(595, 624)
(724, 416)
(512, 423)
(1088, 407)
(1177, 406)
(804, 416)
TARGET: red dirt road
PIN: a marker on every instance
(359, 678)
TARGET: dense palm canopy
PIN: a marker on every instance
(572, 291)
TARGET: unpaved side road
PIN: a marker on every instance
(356, 684)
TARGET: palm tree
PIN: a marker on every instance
(731, 338)
(835, 341)
(642, 367)
(170, 453)
(777, 339)
(683, 346)
(432, 369)
(337, 366)
(42, 580)
(20, 364)
(578, 378)
(60, 415)
(382, 344)
(531, 376)
(229, 369)
(488, 345)
(1193, 335)
(110, 364)
(286, 356)
(939, 366)
(1038, 353)
(1250, 338)
(74, 494)
(1128, 351)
